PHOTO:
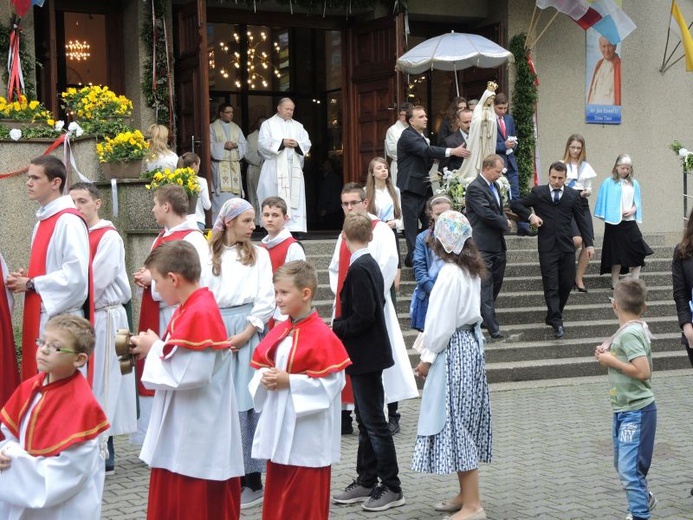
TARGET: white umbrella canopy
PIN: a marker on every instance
(454, 51)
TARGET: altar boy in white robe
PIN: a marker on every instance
(297, 390)
(193, 442)
(284, 143)
(114, 391)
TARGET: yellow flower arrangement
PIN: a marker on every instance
(24, 110)
(185, 177)
(126, 146)
(95, 102)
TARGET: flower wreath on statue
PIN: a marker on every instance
(455, 186)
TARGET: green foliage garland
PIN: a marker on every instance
(157, 98)
(27, 60)
(524, 100)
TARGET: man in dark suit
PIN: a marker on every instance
(361, 327)
(414, 160)
(485, 213)
(505, 147)
(554, 206)
(464, 120)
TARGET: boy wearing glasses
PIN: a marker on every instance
(50, 459)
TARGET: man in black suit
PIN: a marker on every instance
(554, 206)
(506, 146)
(362, 329)
(464, 121)
(414, 160)
(485, 213)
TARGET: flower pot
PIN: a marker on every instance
(192, 203)
(22, 125)
(122, 170)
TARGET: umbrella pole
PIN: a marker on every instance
(457, 85)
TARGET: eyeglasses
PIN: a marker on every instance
(41, 343)
(351, 203)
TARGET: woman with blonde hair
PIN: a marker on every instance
(160, 156)
(579, 177)
(619, 205)
(240, 278)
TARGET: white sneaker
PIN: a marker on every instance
(651, 503)
(250, 498)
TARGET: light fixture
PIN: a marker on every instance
(77, 50)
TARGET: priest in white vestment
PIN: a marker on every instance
(284, 143)
(227, 146)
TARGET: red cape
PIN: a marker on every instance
(9, 373)
(315, 352)
(197, 324)
(66, 414)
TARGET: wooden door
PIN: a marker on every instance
(192, 81)
(372, 92)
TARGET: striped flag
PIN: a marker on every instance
(678, 26)
(579, 10)
(615, 24)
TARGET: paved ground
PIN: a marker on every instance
(552, 458)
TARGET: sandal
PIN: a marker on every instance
(447, 506)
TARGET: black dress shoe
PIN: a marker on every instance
(576, 287)
(559, 331)
(497, 335)
(527, 233)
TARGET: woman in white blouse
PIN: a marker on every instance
(160, 156)
(384, 201)
(454, 432)
(241, 280)
(619, 205)
(580, 175)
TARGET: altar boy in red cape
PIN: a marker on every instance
(9, 374)
(193, 443)
(50, 461)
(56, 281)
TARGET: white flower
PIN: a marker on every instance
(75, 128)
(683, 152)
(59, 125)
(16, 134)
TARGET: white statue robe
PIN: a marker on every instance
(194, 429)
(299, 425)
(398, 380)
(64, 487)
(114, 392)
(391, 138)
(64, 287)
(282, 171)
(482, 137)
(219, 153)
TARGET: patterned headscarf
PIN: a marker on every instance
(452, 231)
(229, 211)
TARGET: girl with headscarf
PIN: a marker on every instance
(454, 432)
(240, 276)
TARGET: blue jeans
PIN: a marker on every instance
(633, 436)
(376, 455)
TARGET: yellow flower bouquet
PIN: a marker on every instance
(184, 177)
(126, 146)
(24, 110)
(95, 102)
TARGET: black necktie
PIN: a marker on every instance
(556, 195)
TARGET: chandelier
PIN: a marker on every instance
(258, 62)
(77, 51)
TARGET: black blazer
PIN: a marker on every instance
(414, 159)
(509, 160)
(556, 232)
(682, 279)
(453, 162)
(486, 217)
(361, 327)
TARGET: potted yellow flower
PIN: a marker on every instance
(121, 156)
(184, 177)
(99, 110)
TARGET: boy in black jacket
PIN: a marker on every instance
(361, 327)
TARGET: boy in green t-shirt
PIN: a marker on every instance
(628, 357)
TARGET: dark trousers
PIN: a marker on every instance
(413, 210)
(490, 287)
(376, 456)
(514, 181)
(557, 277)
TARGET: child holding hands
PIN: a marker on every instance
(628, 357)
(297, 389)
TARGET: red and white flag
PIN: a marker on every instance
(579, 10)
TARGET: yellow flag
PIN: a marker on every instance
(678, 25)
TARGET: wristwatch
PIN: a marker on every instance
(30, 285)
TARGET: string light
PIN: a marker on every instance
(77, 51)
(258, 63)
